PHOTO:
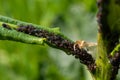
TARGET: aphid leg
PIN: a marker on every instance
(74, 46)
(81, 45)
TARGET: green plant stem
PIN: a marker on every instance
(108, 38)
(15, 35)
(15, 30)
(9, 35)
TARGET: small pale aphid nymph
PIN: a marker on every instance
(82, 44)
(90, 47)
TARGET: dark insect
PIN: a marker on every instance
(99, 2)
(117, 2)
(6, 26)
(115, 60)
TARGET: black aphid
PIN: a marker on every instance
(115, 61)
(6, 26)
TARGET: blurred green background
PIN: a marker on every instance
(76, 19)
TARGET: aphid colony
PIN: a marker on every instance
(115, 61)
(101, 15)
(57, 41)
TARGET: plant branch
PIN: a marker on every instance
(108, 37)
(15, 30)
